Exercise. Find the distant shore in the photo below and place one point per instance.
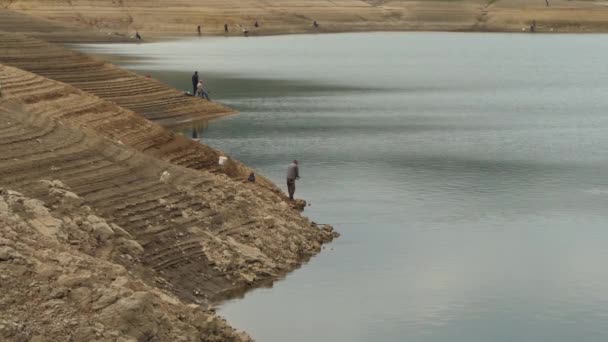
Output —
(105, 21)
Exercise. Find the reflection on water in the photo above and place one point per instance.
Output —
(466, 172)
(193, 130)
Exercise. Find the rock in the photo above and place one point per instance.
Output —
(59, 184)
(7, 254)
(249, 278)
(100, 228)
(133, 315)
(120, 232)
(3, 206)
(120, 281)
(327, 228)
(108, 297)
(82, 296)
(67, 196)
(10, 193)
(293, 247)
(249, 253)
(164, 177)
(47, 225)
(73, 280)
(46, 271)
(270, 221)
(12, 331)
(298, 204)
(130, 247)
(126, 339)
(58, 293)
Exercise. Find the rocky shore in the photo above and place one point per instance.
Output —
(84, 196)
(113, 228)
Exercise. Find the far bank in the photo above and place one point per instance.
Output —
(107, 21)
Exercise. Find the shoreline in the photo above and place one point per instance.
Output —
(169, 38)
(212, 244)
(230, 260)
(155, 38)
(219, 238)
(106, 21)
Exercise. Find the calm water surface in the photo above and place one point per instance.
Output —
(467, 174)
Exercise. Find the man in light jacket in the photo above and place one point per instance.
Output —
(293, 173)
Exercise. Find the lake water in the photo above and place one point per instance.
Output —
(467, 173)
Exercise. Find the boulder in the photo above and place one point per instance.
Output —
(100, 228)
(8, 253)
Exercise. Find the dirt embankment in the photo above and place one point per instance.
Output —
(121, 230)
(159, 18)
(54, 31)
(148, 97)
(62, 280)
(109, 231)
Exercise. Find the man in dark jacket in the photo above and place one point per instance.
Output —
(293, 173)
(194, 82)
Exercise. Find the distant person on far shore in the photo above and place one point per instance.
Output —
(194, 82)
(256, 24)
(225, 28)
(137, 35)
(198, 28)
(293, 173)
(315, 24)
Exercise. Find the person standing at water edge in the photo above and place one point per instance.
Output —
(293, 173)
(194, 82)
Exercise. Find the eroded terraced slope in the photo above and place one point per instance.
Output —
(66, 103)
(147, 97)
(202, 233)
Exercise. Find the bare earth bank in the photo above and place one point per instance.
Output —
(113, 228)
(153, 19)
